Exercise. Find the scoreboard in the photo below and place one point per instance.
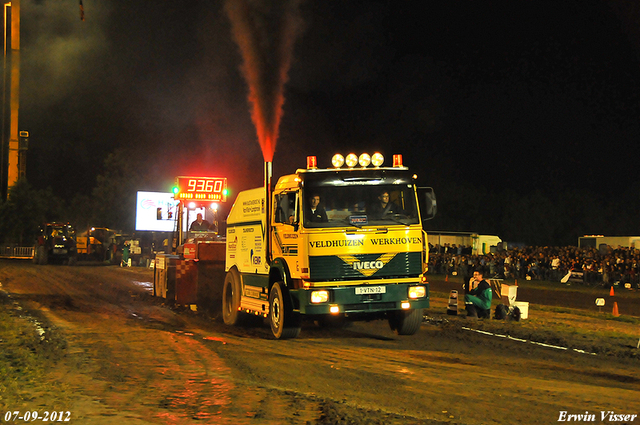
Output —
(212, 189)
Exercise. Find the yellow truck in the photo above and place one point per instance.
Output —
(342, 243)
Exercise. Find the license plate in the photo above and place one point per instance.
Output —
(371, 290)
(59, 251)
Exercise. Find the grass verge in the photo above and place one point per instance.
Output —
(29, 351)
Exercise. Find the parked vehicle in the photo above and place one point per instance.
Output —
(56, 243)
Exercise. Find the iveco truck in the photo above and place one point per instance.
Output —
(336, 244)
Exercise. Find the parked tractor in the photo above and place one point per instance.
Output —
(56, 243)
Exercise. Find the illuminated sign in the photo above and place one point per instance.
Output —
(156, 212)
(201, 189)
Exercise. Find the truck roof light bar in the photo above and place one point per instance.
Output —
(364, 160)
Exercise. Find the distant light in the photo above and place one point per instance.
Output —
(377, 159)
(351, 160)
(364, 160)
(192, 205)
(214, 206)
(175, 189)
(337, 160)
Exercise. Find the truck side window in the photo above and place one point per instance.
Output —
(285, 208)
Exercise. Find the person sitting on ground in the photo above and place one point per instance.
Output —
(478, 300)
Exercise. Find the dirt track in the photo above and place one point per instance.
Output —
(128, 359)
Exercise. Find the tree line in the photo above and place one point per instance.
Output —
(530, 217)
(111, 204)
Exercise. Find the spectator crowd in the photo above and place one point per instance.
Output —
(604, 266)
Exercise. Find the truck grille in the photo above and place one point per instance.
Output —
(332, 267)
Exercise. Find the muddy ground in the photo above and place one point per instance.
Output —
(109, 352)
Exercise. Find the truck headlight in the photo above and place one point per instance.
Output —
(417, 292)
(319, 297)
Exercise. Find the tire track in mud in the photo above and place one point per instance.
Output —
(432, 381)
(129, 361)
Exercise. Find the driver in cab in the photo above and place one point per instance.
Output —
(314, 213)
(200, 224)
(384, 206)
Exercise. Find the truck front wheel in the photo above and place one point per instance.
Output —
(285, 323)
(405, 322)
(231, 298)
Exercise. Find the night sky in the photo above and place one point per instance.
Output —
(497, 95)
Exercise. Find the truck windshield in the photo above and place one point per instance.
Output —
(358, 201)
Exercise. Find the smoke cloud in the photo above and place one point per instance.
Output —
(265, 31)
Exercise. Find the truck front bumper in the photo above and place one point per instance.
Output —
(362, 299)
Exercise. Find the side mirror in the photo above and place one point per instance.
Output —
(429, 205)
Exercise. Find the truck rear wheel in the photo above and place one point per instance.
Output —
(405, 322)
(43, 255)
(231, 298)
(285, 323)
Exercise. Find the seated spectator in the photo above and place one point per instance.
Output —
(478, 300)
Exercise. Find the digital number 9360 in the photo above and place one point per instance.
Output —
(201, 185)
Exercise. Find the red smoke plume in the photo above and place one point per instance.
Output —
(265, 31)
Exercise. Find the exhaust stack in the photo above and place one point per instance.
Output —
(268, 173)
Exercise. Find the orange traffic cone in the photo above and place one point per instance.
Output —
(611, 294)
(446, 278)
(615, 309)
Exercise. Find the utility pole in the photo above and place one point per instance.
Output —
(10, 166)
